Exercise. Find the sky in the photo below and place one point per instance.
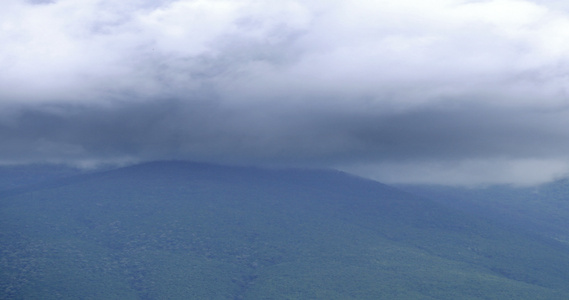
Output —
(450, 92)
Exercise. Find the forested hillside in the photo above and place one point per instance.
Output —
(176, 230)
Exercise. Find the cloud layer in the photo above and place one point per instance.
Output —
(457, 92)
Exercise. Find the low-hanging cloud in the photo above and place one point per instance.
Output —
(459, 92)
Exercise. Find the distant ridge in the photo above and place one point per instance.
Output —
(542, 210)
(13, 176)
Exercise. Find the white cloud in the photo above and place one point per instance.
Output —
(469, 172)
(370, 48)
(300, 61)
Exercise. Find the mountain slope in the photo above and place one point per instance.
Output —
(12, 177)
(543, 209)
(183, 230)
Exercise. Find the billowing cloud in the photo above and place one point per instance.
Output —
(446, 91)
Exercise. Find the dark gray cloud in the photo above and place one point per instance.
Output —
(205, 130)
(460, 92)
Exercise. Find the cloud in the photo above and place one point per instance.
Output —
(471, 173)
(432, 90)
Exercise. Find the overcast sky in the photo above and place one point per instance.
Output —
(402, 91)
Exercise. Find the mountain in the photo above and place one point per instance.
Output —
(15, 176)
(179, 230)
(543, 209)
